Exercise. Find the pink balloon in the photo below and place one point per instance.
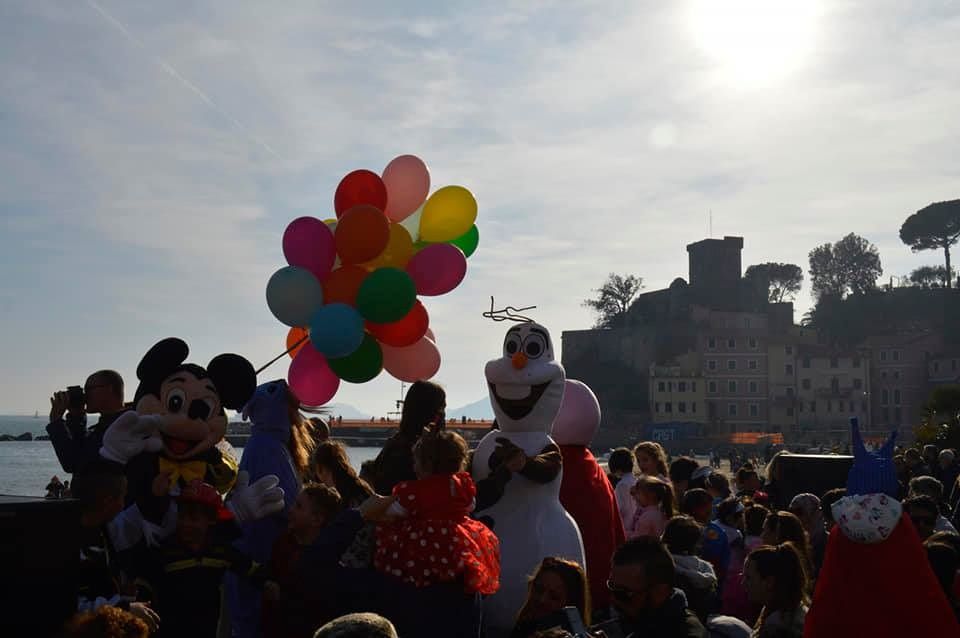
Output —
(437, 269)
(311, 378)
(414, 363)
(578, 420)
(430, 336)
(308, 243)
(408, 184)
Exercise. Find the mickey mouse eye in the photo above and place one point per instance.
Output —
(512, 344)
(534, 346)
(175, 400)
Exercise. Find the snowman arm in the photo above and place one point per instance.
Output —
(544, 467)
(490, 490)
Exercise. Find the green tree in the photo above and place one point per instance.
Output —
(852, 265)
(934, 227)
(941, 418)
(929, 276)
(614, 298)
(780, 281)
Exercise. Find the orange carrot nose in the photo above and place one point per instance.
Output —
(519, 361)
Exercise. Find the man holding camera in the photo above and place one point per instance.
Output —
(75, 445)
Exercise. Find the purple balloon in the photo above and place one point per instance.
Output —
(437, 269)
(311, 378)
(308, 243)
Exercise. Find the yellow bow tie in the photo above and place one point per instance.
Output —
(186, 470)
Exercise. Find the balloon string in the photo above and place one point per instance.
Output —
(281, 355)
(508, 314)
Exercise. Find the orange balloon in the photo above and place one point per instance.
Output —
(398, 252)
(293, 337)
(343, 284)
(362, 234)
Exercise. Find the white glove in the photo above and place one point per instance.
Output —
(253, 502)
(130, 435)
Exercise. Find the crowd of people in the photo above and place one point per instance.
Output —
(393, 548)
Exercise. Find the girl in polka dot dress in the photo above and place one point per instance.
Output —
(434, 540)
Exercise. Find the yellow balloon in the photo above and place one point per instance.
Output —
(448, 214)
(398, 252)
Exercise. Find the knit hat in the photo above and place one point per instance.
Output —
(872, 472)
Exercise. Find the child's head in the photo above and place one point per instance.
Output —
(748, 480)
(331, 466)
(730, 512)
(780, 527)
(442, 452)
(556, 584)
(718, 485)
(651, 458)
(753, 518)
(315, 506)
(621, 461)
(699, 504)
(682, 535)
(199, 508)
(650, 490)
(775, 577)
(101, 489)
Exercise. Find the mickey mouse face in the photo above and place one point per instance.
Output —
(190, 397)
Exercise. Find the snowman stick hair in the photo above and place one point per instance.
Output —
(508, 314)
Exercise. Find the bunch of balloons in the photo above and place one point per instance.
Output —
(349, 293)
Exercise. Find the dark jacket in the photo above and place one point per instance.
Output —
(75, 445)
(671, 620)
(394, 464)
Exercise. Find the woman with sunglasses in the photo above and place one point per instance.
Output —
(556, 584)
(775, 577)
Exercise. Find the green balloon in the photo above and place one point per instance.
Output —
(468, 241)
(386, 295)
(363, 365)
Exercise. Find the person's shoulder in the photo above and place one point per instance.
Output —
(692, 626)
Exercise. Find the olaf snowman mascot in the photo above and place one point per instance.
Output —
(518, 470)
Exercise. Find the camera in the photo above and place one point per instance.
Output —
(76, 398)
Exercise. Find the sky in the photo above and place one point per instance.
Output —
(153, 153)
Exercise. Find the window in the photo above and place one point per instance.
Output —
(712, 387)
(656, 408)
(886, 415)
(712, 343)
(883, 374)
(856, 362)
(668, 407)
(682, 407)
(897, 416)
(884, 397)
(835, 386)
(806, 362)
(801, 407)
(693, 407)
(829, 406)
(896, 375)
(669, 386)
(712, 364)
(661, 387)
(883, 357)
(732, 387)
(805, 384)
(693, 386)
(732, 409)
(731, 364)
(753, 387)
(752, 364)
(746, 322)
(754, 410)
(896, 355)
(731, 343)
(840, 406)
(788, 369)
(753, 343)
(853, 406)
(857, 384)
(681, 386)
(788, 350)
(790, 411)
(896, 396)
(834, 362)
(789, 393)
(813, 406)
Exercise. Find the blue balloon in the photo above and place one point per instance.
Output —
(293, 295)
(336, 330)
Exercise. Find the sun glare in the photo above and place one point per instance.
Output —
(755, 42)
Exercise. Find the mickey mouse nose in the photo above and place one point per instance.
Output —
(519, 361)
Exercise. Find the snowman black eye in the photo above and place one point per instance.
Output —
(534, 346)
(512, 345)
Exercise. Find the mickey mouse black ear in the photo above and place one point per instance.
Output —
(235, 379)
(162, 358)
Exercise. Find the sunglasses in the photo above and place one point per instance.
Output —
(623, 594)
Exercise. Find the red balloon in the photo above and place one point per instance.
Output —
(343, 284)
(360, 187)
(404, 332)
(362, 234)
